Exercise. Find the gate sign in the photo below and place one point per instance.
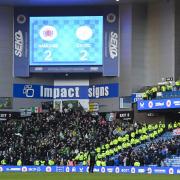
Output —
(6, 115)
(126, 115)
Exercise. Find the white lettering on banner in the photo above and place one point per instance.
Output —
(18, 46)
(177, 103)
(159, 104)
(98, 91)
(113, 45)
(59, 92)
(55, 92)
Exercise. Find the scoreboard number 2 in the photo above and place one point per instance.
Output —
(48, 55)
(83, 55)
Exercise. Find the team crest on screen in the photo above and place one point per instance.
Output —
(111, 17)
(48, 33)
(21, 19)
(84, 33)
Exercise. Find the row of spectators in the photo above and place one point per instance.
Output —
(151, 93)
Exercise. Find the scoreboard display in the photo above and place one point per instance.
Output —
(61, 40)
(66, 40)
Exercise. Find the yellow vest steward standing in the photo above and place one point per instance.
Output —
(170, 126)
(132, 135)
(3, 162)
(84, 163)
(175, 125)
(50, 162)
(107, 146)
(36, 163)
(43, 162)
(19, 162)
(120, 139)
(115, 142)
(98, 163)
(137, 163)
(98, 149)
(103, 163)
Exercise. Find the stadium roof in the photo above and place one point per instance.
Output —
(64, 2)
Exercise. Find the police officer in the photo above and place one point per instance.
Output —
(92, 156)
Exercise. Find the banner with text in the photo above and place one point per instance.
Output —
(99, 169)
(65, 92)
(158, 104)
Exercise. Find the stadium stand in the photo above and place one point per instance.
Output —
(56, 138)
(167, 89)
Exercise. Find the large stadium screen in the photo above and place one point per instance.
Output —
(66, 40)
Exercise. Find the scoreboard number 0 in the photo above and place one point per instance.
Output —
(83, 55)
(48, 55)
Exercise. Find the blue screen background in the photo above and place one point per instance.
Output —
(66, 48)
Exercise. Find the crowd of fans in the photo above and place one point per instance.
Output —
(57, 138)
(166, 86)
(53, 135)
(152, 153)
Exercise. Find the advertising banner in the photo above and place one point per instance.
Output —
(65, 92)
(159, 104)
(111, 42)
(21, 39)
(99, 169)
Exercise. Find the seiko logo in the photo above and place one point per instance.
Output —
(18, 43)
(113, 45)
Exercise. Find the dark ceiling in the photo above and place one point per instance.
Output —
(63, 2)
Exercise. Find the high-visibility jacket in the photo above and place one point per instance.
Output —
(19, 162)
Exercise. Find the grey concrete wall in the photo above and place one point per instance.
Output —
(159, 48)
(139, 26)
(6, 46)
(177, 39)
